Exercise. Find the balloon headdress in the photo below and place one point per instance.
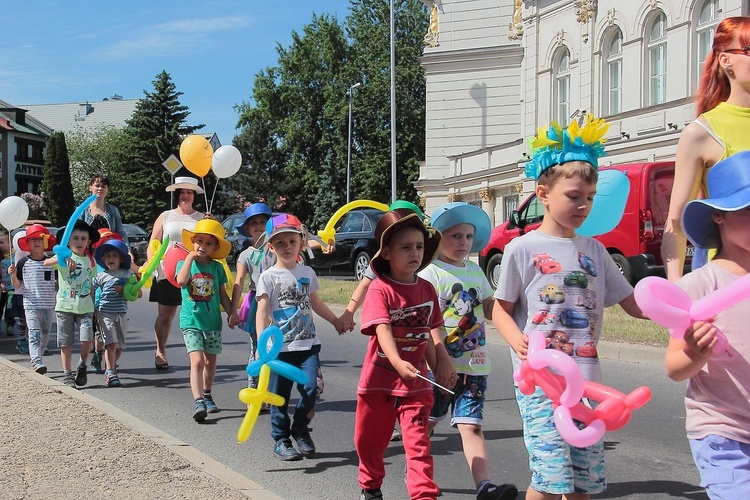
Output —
(558, 145)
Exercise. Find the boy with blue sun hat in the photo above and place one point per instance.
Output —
(465, 298)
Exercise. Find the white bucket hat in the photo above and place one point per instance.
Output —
(185, 183)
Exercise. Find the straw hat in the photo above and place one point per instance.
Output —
(185, 183)
(215, 229)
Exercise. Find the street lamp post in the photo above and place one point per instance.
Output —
(349, 94)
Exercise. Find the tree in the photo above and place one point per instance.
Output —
(155, 131)
(93, 151)
(59, 203)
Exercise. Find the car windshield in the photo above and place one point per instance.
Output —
(134, 230)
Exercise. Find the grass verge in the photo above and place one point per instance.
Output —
(618, 326)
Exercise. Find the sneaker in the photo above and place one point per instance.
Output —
(69, 381)
(395, 435)
(283, 450)
(82, 377)
(96, 363)
(494, 492)
(200, 411)
(210, 404)
(305, 444)
(371, 494)
(22, 346)
(40, 369)
(112, 380)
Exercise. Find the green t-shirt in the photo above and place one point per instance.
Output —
(74, 292)
(201, 302)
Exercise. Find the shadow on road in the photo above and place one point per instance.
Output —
(675, 489)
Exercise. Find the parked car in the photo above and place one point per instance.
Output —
(355, 244)
(238, 241)
(634, 244)
(137, 241)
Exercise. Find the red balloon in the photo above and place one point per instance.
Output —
(175, 254)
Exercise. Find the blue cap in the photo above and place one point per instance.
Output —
(113, 244)
(250, 212)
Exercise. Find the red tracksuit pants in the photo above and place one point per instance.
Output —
(376, 415)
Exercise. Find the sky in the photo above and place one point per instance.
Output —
(78, 51)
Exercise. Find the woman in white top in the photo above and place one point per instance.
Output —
(171, 223)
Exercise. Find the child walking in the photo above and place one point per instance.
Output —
(111, 306)
(6, 284)
(287, 296)
(250, 263)
(38, 283)
(466, 299)
(565, 163)
(718, 391)
(74, 308)
(399, 312)
(202, 279)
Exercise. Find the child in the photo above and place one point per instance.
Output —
(251, 262)
(202, 279)
(717, 400)
(465, 300)
(6, 284)
(287, 296)
(565, 162)
(39, 294)
(75, 303)
(17, 317)
(399, 312)
(111, 306)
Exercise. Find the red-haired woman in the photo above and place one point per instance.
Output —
(721, 130)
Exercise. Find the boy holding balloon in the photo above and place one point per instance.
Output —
(718, 392)
(555, 281)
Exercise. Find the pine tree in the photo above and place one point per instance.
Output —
(56, 186)
(156, 130)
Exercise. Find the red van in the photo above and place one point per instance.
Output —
(635, 244)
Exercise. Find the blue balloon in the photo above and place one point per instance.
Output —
(612, 190)
(268, 356)
(61, 249)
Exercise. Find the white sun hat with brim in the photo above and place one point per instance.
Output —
(185, 183)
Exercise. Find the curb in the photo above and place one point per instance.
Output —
(231, 478)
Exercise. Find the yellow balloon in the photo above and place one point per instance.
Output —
(154, 247)
(196, 153)
(328, 233)
(254, 399)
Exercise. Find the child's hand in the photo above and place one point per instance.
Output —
(406, 370)
(11, 269)
(71, 264)
(521, 346)
(701, 338)
(445, 374)
(233, 320)
(345, 323)
(118, 288)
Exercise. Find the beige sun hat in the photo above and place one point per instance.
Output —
(185, 183)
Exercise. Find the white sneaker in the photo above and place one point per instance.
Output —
(40, 369)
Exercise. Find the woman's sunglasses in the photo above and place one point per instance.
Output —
(744, 50)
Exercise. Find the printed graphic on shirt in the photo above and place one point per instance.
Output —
(293, 316)
(201, 286)
(80, 283)
(468, 334)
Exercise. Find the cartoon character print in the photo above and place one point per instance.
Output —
(293, 301)
(467, 335)
(201, 288)
(416, 316)
(80, 283)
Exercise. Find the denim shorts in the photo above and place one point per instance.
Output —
(724, 465)
(69, 323)
(557, 467)
(467, 403)
(199, 340)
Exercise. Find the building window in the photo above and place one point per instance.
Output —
(706, 19)
(562, 87)
(510, 203)
(613, 74)
(656, 36)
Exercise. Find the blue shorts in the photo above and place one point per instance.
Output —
(557, 467)
(724, 465)
(467, 404)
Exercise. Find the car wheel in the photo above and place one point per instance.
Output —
(361, 263)
(493, 269)
(623, 264)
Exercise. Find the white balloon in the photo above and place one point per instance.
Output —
(226, 161)
(19, 253)
(13, 212)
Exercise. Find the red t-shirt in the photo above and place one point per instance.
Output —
(412, 311)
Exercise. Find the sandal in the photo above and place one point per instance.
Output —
(161, 363)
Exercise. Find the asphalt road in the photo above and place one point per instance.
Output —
(649, 458)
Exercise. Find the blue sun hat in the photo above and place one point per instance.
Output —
(729, 188)
(558, 145)
(112, 244)
(459, 212)
(252, 211)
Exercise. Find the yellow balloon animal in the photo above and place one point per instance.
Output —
(254, 398)
(153, 246)
(328, 233)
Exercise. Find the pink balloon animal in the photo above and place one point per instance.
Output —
(668, 304)
(566, 390)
